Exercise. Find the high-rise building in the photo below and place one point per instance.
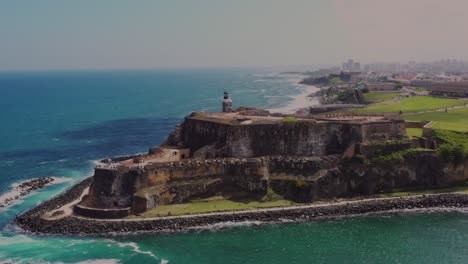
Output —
(351, 66)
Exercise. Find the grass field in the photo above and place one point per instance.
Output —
(217, 203)
(374, 97)
(455, 119)
(397, 193)
(411, 105)
(414, 132)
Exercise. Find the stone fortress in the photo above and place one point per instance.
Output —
(250, 150)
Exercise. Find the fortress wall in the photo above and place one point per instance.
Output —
(302, 138)
(172, 181)
(297, 178)
(416, 124)
(199, 133)
(302, 167)
(111, 188)
(385, 129)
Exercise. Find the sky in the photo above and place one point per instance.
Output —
(122, 34)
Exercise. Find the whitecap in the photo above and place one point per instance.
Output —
(15, 196)
(99, 261)
(136, 248)
(224, 225)
(58, 180)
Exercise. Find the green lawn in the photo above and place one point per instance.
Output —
(374, 97)
(219, 203)
(411, 105)
(401, 192)
(455, 119)
(212, 204)
(414, 132)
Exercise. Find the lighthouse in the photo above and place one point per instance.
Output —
(227, 103)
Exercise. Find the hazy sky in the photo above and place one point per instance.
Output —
(89, 34)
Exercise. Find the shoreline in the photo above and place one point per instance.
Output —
(299, 101)
(32, 221)
(24, 188)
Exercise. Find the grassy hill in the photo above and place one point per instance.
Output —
(454, 119)
(411, 105)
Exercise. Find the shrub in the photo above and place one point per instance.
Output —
(289, 119)
(345, 96)
(452, 153)
(398, 156)
(454, 147)
(300, 184)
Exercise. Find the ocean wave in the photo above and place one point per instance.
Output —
(99, 261)
(17, 239)
(136, 248)
(17, 192)
(226, 225)
(298, 101)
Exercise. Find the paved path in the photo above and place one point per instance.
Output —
(67, 209)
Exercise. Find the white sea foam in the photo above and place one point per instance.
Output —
(58, 180)
(100, 261)
(14, 197)
(224, 225)
(136, 248)
(299, 101)
(14, 240)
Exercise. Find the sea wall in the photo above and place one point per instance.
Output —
(32, 222)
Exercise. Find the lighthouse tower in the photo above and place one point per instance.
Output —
(227, 103)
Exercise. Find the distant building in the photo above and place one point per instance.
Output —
(450, 89)
(421, 83)
(351, 66)
(356, 76)
(227, 103)
(380, 86)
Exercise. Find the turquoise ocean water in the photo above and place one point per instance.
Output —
(58, 123)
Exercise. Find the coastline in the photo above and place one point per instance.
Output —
(299, 101)
(32, 221)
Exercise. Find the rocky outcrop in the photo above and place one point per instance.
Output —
(24, 189)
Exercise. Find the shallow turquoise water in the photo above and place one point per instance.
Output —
(56, 124)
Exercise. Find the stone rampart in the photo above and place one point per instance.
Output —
(213, 138)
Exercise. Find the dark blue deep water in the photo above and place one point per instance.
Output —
(58, 123)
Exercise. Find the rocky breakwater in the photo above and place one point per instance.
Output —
(76, 225)
(32, 219)
(24, 189)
